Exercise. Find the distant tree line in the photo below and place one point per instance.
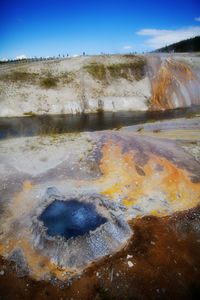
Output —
(33, 59)
(189, 45)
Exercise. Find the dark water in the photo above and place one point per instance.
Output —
(29, 126)
(70, 218)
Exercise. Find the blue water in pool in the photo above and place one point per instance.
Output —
(70, 218)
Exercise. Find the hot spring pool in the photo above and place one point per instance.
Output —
(70, 218)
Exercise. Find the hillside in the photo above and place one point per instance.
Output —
(189, 45)
(74, 85)
(91, 84)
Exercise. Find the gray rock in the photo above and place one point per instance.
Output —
(53, 192)
(137, 207)
(110, 204)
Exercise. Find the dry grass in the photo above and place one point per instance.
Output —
(66, 77)
(45, 80)
(55, 133)
(98, 71)
(130, 70)
(49, 82)
(156, 130)
(20, 76)
(30, 114)
(132, 56)
(119, 126)
(100, 110)
(190, 115)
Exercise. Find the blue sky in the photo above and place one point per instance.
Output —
(51, 27)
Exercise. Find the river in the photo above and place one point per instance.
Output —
(53, 124)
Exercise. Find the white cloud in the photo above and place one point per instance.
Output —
(197, 19)
(3, 59)
(22, 56)
(127, 47)
(160, 38)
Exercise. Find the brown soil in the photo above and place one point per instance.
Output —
(166, 265)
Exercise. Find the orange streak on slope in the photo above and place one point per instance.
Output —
(162, 85)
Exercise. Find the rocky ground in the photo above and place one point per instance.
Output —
(149, 178)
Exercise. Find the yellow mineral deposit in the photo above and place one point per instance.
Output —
(123, 178)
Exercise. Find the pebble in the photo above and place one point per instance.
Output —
(130, 264)
(129, 256)
(137, 207)
(151, 199)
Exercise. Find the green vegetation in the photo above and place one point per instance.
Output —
(152, 121)
(73, 135)
(30, 113)
(190, 45)
(54, 133)
(45, 80)
(195, 143)
(19, 76)
(156, 130)
(129, 70)
(119, 126)
(140, 129)
(66, 77)
(190, 115)
(98, 71)
(32, 147)
(49, 82)
(130, 56)
(100, 110)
